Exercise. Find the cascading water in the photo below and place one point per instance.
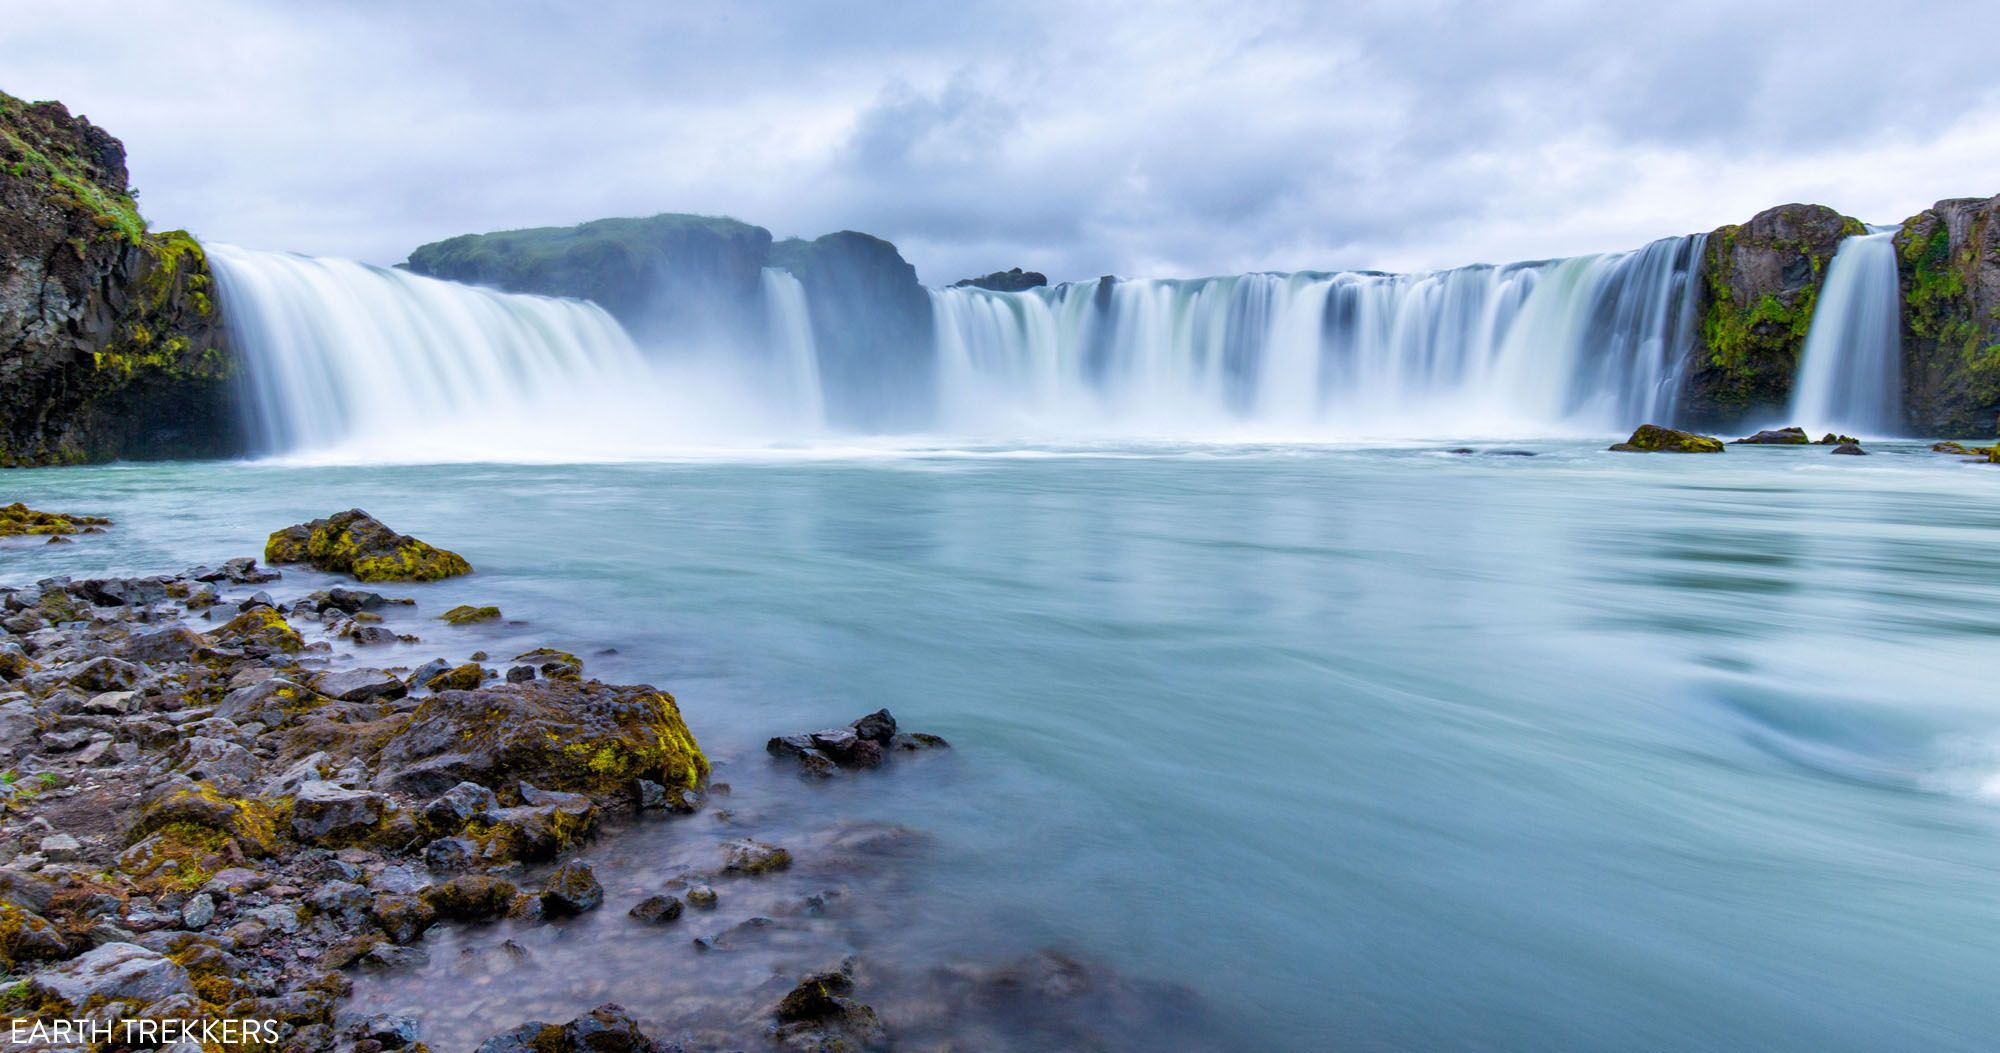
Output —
(791, 338)
(1592, 343)
(347, 361)
(1851, 372)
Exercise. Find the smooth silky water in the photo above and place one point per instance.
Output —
(1367, 747)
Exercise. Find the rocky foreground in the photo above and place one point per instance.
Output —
(215, 809)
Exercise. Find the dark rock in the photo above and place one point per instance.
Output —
(572, 889)
(106, 674)
(459, 805)
(917, 740)
(1775, 437)
(471, 897)
(361, 685)
(1011, 280)
(450, 853)
(1651, 438)
(113, 972)
(328, 813)
(1851, 449)
(403, 916)
(1760, 281)
(877, 727)
(111, 344)
(585, 737)
(371, 636)
(354, 542)
(520, 674)
(1948, 260)
(458, 678)
(657, 910)
(1830, 439)
(746, 856)
(387, 1032)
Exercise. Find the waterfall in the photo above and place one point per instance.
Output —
(1851, 373)
(1593, 343)
(796, 356)
(351, 362)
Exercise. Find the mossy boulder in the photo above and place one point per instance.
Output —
(354, 542)
(1775, 437)
(18, 520)
(466, 614)
(259, 628)
(1948, 261)
(1652, 438)
(471, 897)
(1760, 281)
(582, 736)
(458, 678)
(190, 830)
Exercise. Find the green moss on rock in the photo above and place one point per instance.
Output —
(1760, 281)
(354, 542)
(1651, 438)
(466, 614)
(17, 520)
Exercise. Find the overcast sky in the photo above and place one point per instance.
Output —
(1069, 137)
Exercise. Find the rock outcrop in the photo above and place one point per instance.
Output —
(110, 342)
(1651, 438)
(698, 281)
(1014, 280)
(1948, 258)
(354, 542)
(1760, 281)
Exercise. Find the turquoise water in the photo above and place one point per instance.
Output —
(1371, 748)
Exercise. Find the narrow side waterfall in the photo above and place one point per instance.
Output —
(352, 362)
(1593, 343)
(795, 354)
(1851, 373)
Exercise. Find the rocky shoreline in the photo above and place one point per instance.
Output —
(216, 808)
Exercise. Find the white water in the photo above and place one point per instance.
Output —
(1850, 374)
(796, 353)
(1590, 344)
(348, 362)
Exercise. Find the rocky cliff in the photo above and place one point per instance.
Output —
(110, 344)
(1760, 281)
(678, 280)
(669, 279)
(1948, 258)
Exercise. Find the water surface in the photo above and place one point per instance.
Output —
(1370, 747)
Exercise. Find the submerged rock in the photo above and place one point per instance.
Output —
(819, 1014)
(354, 542)
(1775, 437)
(657, 910)
(18, 520)
(1850, 448)
(1652, 438)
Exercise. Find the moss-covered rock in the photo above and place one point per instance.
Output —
(110, 341)
(581, 736)
(1651, 438)
(1948, 260)
(17, 520)
(1760, 281)
(466, 614)
(259, 628)
(458, 678)
(354, 542)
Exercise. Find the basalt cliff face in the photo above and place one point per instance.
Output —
(1948, 259)
(1760, 281)
(110, 344)
(696, 282)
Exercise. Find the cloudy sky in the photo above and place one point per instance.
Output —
(1070, 137)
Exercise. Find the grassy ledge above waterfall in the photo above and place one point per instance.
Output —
(110, 343)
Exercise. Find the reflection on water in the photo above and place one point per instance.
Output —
(1377, 748)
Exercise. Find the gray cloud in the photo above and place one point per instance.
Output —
(1080, 139)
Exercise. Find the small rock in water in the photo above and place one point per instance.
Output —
(1652, 438)
(572, 889)
(1775, 437)
(657, 910)
(746, 856)
(701, 896)
(1852, 449)
(520, 674)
